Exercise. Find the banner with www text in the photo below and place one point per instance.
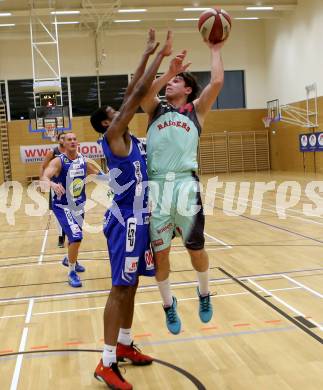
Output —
(37, 153)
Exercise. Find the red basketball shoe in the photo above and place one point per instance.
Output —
(111, 376)
(132, 352)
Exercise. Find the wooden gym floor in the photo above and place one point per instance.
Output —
(266, 332)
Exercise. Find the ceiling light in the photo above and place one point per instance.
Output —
(7, 25)
(186, 19)
(127, 20)
(5, 13)
(65, 12)
(74, 22)
(196, 9)
(132, 10)
(260, 8)
(253, 18)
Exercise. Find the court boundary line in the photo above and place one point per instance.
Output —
(274, 307)
(42, 251)
(140, 288)
(273, 209)
(141, 303)
(47, 263)
(309, 289)
(22, 346)
(288, 305)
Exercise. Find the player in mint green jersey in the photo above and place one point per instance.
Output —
(172, 145)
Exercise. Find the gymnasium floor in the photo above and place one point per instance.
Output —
(266, 332)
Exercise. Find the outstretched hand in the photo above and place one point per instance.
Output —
(151, 43)
(176, 65)
(167, 49)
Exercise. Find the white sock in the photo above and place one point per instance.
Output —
(203, 279)
(164, 289)
(125, 336)
(109, 355)
(71, 266)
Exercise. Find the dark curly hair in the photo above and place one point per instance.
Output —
(97, 117)
(190, 81)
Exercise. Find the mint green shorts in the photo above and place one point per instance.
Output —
(176, 210)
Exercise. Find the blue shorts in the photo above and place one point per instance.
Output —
(71, 225)
(129, 248)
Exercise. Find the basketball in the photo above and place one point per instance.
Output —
(214, 25)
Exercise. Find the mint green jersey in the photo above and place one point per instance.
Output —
(172, 140)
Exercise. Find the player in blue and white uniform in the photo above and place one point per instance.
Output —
(50, 155)
(127, 220)
(65, 175)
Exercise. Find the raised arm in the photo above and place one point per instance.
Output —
(53, 169)
(176, 66)
(119, 124)
(150, 49)
(49, 156)
(204, 102)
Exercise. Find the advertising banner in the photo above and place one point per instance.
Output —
(36, 153)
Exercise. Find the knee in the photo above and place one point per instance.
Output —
(197, 254)
(121, 294)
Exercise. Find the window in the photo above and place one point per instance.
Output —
(85, 99)
(84, 94)
(64, 91)
(21, 98)
(232, 94)
(112, 90)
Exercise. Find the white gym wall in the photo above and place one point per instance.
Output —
(294, 52)
(244, 51)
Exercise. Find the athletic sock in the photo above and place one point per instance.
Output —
(124, 336)
(109, 355)
(164, 289)
(71, 266)
(203, 279)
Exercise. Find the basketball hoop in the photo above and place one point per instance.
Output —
(50, 129)
(267, 121)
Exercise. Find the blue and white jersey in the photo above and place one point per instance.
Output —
(128, 177)
(71, 177)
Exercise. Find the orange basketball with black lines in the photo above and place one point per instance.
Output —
(215, 25)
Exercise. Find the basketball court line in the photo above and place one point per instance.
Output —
(22, 346)
(174, 284)
(159, 302)
(42, 263)
(276, 275)
(218, 240)
(273, 210)
(276, 308)
(280, 208)
(281, 301)
(42, 251)
(60, 352)
(275, 226)
(149, 302)
(42, 254)
(303, 286)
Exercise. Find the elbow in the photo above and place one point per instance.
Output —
(217, 83)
